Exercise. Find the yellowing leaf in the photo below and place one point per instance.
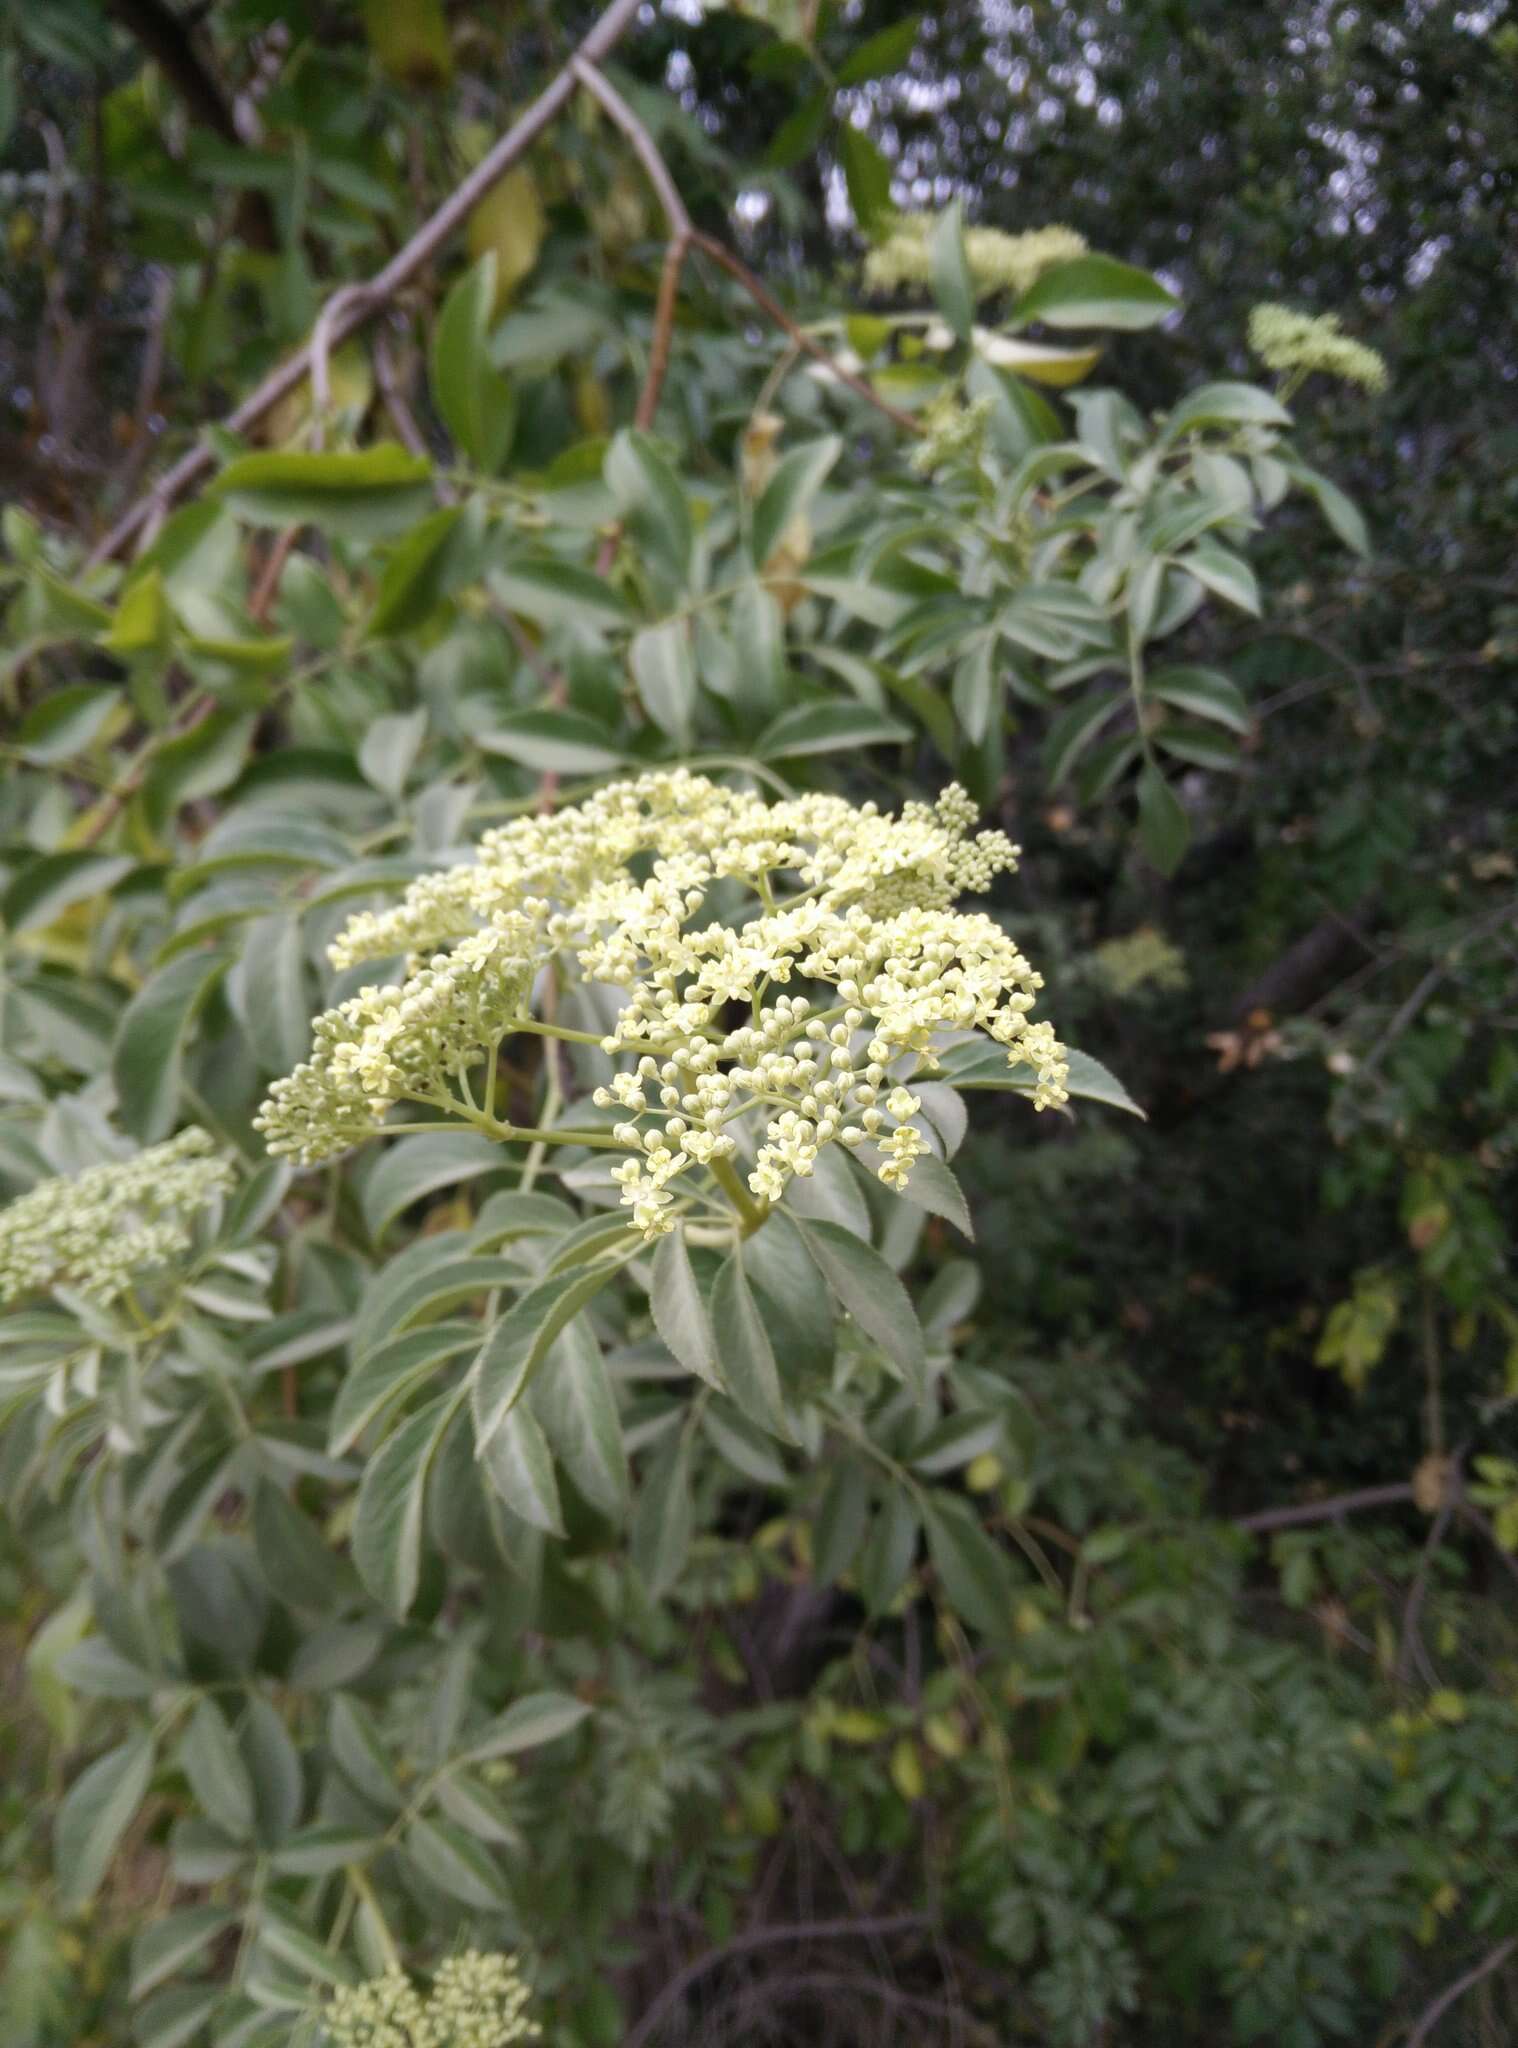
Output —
(410, 39)
(509, 221)
(906, 1770)
(141, 618)
(1037, 360)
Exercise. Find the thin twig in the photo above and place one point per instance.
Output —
(394, 400)
(383, 286)
(764, 1937)
(264, 591)
(1411, 1647)
(1432, 2015)
(678, 220)
(1325, 1510)
(351, 297)
(149, 377)
(658, 172)
(1418, 1592)
(768, 304)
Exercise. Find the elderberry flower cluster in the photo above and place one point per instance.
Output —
(476, 2001)
(100, 1230)
(856, 904)
(1298, 343)
(952, 434)
(997, 262)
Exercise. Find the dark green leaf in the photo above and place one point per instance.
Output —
(147, 1057)
(798, 478)
(1203, 692)
(881, 54)
(387, 1524)
(652, 502)
(665, 675)
(680, 1315)
(527, 1723)
(1164, 828)
(662, 1521)
(477, 404)
(867, 176)
(97, 1811)
(972, 1571)
(212, 1761)
(552, 742)
(387, 1375)
(46, 887)
(871, 1293)
(413, 1168)
(574, 1401)
(1095, 291)
(952, 286)
(744, 1356)
(361, 494)
(828, 729)
(520, 1466)
(520, 1341)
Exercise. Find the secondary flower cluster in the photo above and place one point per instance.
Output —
(99, 1230)
(1300, 343)
(952, 433)
(476, 2001)
(997, 262)
(698, 901)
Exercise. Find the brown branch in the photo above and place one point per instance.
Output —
(1311, 965)
(1413, 1612)
(110, 807)
(1325, 1510)
(364, 301)
(657, 171)
(809, 345)
(664, 324)
(763, 1937)
(1432, 2014)
(393, 398)
(264, 590)
(681, 229)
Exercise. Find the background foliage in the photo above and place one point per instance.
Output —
(1150, 1676)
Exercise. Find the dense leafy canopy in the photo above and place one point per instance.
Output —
(1012, 1573)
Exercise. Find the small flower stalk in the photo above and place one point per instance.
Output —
(707, 906)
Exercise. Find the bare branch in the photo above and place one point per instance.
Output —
(1325, 1510)
(352, 297)
(394, 400)
(1456, 1991)
(763, 1937)
(658, 172)
(809, 345)
(383, 286)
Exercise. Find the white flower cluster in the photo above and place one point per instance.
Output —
(952, 433)
(997, 262)
(476, 2001)
(100, 1230)
(813, 889)
(1300, 343)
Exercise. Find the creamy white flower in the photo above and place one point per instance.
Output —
(476, 2001)
(621, 886)
(997, 262)
(100, 1230)
(1302, 343)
